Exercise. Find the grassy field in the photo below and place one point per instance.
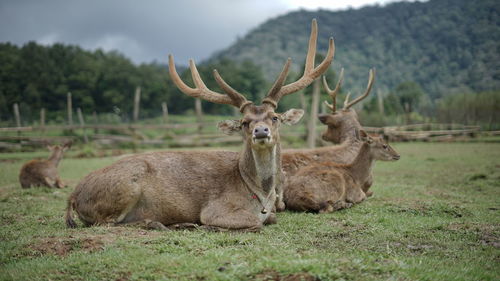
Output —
(435, 215)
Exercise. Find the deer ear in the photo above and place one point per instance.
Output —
(292, 116)
(50, 147)
(363, 136)
(328, 119)
(67, 145)
(229, 127)
(323, 118)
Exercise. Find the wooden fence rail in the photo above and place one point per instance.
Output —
(132, 134)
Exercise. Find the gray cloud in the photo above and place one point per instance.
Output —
(142, 30)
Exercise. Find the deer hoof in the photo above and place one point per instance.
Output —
(155, 225)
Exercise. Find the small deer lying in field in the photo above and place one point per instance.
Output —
(328, 186)
(44, 172)
(341, 129)
(214, 189)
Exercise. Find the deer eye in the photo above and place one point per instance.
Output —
(275, 118)
(384, 146)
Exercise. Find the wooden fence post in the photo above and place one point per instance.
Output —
(380, 101)
(137, 100)
(17, 115)
(70, 110)
(199, 113)
(311, 126)
(303, 105)
(42, 119)
(82, 124)
(164, 109)
(94, 116)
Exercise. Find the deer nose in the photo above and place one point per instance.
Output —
(397, 157)
(260, 132)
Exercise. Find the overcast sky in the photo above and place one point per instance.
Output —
(150, 29)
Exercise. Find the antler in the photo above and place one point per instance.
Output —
(333, 93)
(310, 72)
(201, 91)
(371, 79)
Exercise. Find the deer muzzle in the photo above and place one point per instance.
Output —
(261, 134)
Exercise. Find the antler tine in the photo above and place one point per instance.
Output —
(310, 72)
(201, 90)
(238, 98)
(277, 85)
(346, 101)
(333, 94)
(371, 79)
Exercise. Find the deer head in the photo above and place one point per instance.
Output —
(379, 148)
(340, 123)
(57, 151)
(259, 123)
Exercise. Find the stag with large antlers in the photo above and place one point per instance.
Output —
(206, 189)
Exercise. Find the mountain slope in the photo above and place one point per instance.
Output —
(446, 46)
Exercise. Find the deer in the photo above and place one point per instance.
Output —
(44, 172)
(328, 186)
(341, 128)
(212, 190)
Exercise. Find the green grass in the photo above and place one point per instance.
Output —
(434, 216)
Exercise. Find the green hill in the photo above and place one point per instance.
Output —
(446, 46)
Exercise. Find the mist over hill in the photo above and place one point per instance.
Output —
(446, 46)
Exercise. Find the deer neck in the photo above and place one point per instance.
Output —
(344, 152)
(259, 168)
(360, 169)
(349, 131)
(55, 158)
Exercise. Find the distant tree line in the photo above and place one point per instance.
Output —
(36, 76)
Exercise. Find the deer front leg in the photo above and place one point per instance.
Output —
(355, 195)
(367, 184)
(271, 219)
(60, 184)
(217, 215)
(50, 182)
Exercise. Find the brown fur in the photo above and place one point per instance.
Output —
(329, 186)
(216, 189)
(43, 172)
(341, 128)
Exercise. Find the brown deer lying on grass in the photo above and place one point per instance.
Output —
(328, 186)
(44, 172)
(341, 128)
(217, 189)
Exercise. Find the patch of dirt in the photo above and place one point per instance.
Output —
(272, 275)
(476, 177)
(489, 239)
(124, 276)
(489, 234)
(63, 246)
(88, 242)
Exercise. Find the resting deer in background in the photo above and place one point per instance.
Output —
(328, 186)
(217, 189)
(44, 172)
(342, 126)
